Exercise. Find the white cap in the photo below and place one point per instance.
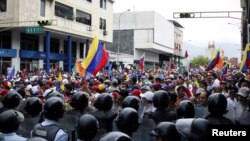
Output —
(65, 81)
(148, 95)
(29, 87)
(244, 92)
(65, 76)
(26, 80)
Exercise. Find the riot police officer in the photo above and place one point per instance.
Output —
(11, 100)
(161, 102)
(103, 114)
(128, 121)
(87, 127)
(193, 129)
(131, 101)
(32, 108)
(78, 102)
(244, 119)
(166, 131)
(217, 105)
(9, 123)
(185, 109)
(50, 129)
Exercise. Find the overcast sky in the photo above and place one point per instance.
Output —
(197, 32)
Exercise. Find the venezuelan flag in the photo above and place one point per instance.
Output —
(219, 64)
(96, 59)
(245, 62)
(141, 62)
(213, 62)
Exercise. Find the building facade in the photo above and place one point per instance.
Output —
(212, 51)
(136, 33)
(43, 33)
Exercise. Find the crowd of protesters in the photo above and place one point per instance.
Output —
(154, 105)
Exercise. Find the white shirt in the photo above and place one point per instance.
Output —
(231, 109)
(13, 137)
(216, 83)
(46, 92)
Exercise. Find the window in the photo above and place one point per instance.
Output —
(5, 39)
(64, 11)
(102, 24)
(42, 8)
(3, 5)
(81, 50)
(103, 4)
(54, 45)
(29, 42)
(83, 17)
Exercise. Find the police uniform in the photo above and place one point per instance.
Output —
(60, 135)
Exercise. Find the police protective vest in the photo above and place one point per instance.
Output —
(48, 132)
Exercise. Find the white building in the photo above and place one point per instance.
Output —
(74, 23)
(147, 32)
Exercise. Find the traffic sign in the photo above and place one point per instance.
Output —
(34, 30)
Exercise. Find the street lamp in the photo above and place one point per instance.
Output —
(119, 33)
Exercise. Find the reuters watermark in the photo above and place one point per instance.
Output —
(230, 133)
(234, 131)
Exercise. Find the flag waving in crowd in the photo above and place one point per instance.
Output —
(245, 62)
(213, 62)
(141, 62)
(96, 59)
(186, 54)
(11, 74)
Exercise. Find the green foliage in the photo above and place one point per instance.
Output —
(200, 61)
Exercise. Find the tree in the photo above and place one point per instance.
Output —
(200, 61)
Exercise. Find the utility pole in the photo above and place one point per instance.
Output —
(119, 24)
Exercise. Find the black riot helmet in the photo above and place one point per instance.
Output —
(54, 108)
(185, 109)
(33, 106)
(10, 121)
(193, 129)
(36, 139)
(132, 102)
(128, 121)
(87, 127)
(53, 93)
(80, 100)
(115, 136)
(166, 131)
(161, 99)
(217, 104)
(104, 102)
(11, 100)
